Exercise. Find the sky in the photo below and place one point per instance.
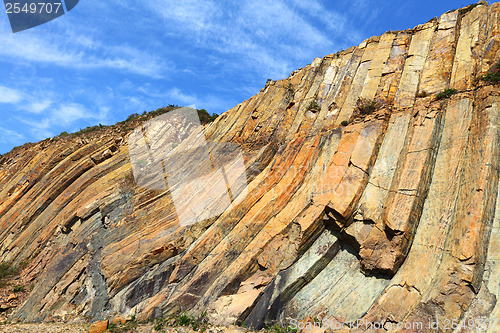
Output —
(105, 60)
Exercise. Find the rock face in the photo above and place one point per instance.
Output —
(390, 216)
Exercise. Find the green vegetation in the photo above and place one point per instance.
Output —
(14, 150)
(205, 118)
(277, 328)
(182, 319)
(492, 77)
(339, 52)
(465, 10)
(129, 326)
(366, 106)
(447, 93)
(160, 111)
(344, 123)
(88, 129)
(313, 107)
(5, 270)
(18, 289)
(114, 328)
(290, 89)
(469, 8)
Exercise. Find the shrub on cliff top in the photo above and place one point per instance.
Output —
(469, 8)
(205, 117)
(465, 10)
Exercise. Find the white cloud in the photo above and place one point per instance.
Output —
(69, 113)
(9, 95)
(199, 15)
(78, 52)
(247, 37)
(39, 129)
(62, 115)
(38, 106)
(179, 97)
(336, 23)
(41, 124)
(182, 98)
(269, 35)
(128, 59)
(103, 112)
(134, 101)
(35, 101)
(9, 136)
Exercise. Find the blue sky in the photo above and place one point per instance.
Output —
(105, 60)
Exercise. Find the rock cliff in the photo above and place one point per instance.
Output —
(369, 197)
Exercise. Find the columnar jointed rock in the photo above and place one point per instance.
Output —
(392, 217)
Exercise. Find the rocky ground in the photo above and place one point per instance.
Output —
(126, 327)
(43, 328)
(13, 292)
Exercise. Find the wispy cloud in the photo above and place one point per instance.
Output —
(38, 106)
(10, 136)
(182, 98)
(69, 113)
(108, 59)
(270, 35)
(9, 95)
(79, 52)
(178, 95)
(39, 129)
(63, 115)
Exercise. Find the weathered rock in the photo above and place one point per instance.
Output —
(118, 321)
(288, 282)
(98, 327)
(11, 297)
